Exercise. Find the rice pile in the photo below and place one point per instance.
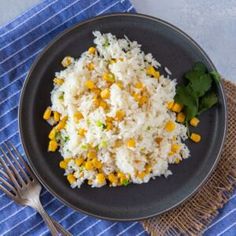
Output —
(111, 118)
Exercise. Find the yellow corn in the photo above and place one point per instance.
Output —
(71, 178)
(97, 91)
(88, 165)
(148, 169)
(195, 137)
(120, 84)
(157, 74)
(177, 161)
(92, 50)
(105, 93)
(91, 154)
(177, 107)
(131, 143)
(109, 119)
(90, 66)
(52, 146)
(112, 178)
(194, 121)
(90, 182)
(170, 105)
(180, 117)
(170, 126)
(118, 143)
(58, 81)
(62, 123)
(90, 84)
(52, 134)
(138, 85)
(150, 70)
(63, 164)
(79, 161)
(96, 102)
(97, 164)
(120, 114)
(136, 97)
(103, 104)
(141, 175)
(109, 126)
(109, 77)
(67, 61)
(158, 140)
(47, 113)
(175, 147)
(101, 178)
(143, 99)
(56, 116)
(121, 177)
(112, 61)
(82, 132)
(78, 116)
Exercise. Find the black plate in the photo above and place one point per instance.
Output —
(173, 49)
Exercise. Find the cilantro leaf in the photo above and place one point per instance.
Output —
(125, 182)
(216, 76)
(201, 84)
(199, 66)
(206, 102)
(193, 74)
(190, 112)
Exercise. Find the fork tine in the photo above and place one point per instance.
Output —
(9, 194)
(8, 170)
(8, 185)
(22, 161)
(17, 163)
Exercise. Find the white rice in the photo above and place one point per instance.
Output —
(141, 123)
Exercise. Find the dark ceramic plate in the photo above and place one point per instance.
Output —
(173, 49)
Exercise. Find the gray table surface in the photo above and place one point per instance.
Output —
(212, 23)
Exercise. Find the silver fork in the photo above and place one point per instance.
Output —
(23, 187)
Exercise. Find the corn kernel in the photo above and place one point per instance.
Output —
(171, 153)
(96, 102)
(177, 161)
(97, 164)
(109, 126)
(112, 178)
(109, 77)
(103, 104)
(175, 147)
(120, 115)
(148, 169)
(101, 178)
(78, 116)
(150, 70)
(71, 178)
(105, 93)
(58, 81)
(52, 134)
(143, 100)
(136, 97)
(120, 84)
(67, 61)
(79, 161)
(118, 143)
(112, 61)
(195, 137)
(62, 123)
(90, 66)
(156, 74)
(92, 50)
(138, 85)
(47, 113)
(170, 126)
(131, 143)
(63, 164)
(121, 176)
(90, 84)
(180, 117)
(52, 146)
(177, 107)
(97, 91)
(91, 154)
(90, 182)
(82, 132)
(88, 165)
(109, 119)
(194, 121)
(141, 175)
(56, 116)
(170, 105)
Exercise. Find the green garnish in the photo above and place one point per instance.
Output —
(125, 182)
(103, 144)
(61, 97)
(198, 95)
(106, 44)
(84, 147)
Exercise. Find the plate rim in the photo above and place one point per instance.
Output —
(48, 46)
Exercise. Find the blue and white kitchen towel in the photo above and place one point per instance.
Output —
(20, 42)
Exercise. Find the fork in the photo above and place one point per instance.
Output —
(21, 185)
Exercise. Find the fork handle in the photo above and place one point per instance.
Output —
(60, 229)
(47, 220)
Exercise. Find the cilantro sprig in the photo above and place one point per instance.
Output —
(197, 95)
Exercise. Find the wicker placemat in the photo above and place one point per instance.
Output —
(193, 216)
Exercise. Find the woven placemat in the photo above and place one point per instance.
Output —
(193, 216)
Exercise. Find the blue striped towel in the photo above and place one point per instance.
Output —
(20, 42)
